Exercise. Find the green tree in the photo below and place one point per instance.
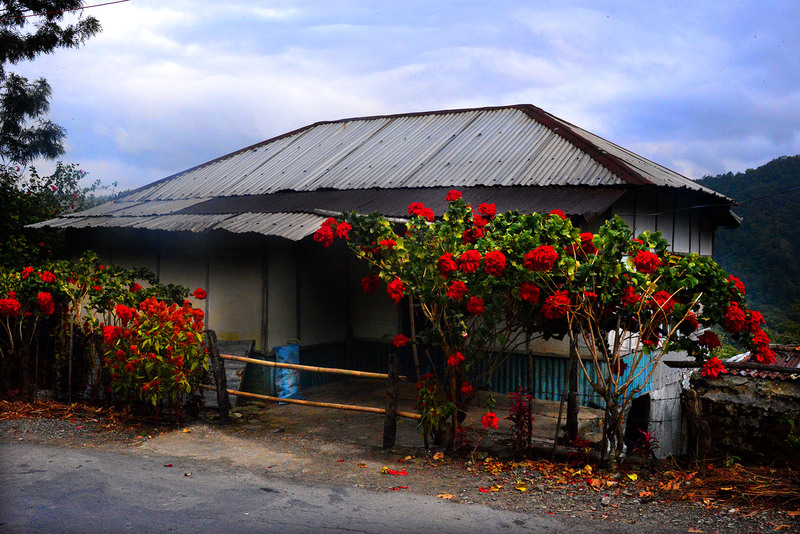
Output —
(29, 28)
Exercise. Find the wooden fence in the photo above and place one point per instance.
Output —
(393, 376)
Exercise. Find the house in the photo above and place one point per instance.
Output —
(240, 225)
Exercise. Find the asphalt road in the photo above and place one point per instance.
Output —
(54, 489)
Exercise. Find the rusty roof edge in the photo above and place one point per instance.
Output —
(564, 129)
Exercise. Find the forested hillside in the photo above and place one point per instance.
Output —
(764, 251)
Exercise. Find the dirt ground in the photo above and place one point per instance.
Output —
(326, 446)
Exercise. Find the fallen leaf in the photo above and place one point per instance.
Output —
(497, 487)
(339, 461)
(485, 490)
(438, 456)
(78, 427)
(187, 474)
(793, 514)
(521, 486)
(398, 488)
(645, 494)
(408, 458)
(782, 526)
(386, 471)
(187, 430)
(362, 465)
(167, 465)
(445, 496)
(595, 483)
(696, 531)
(633, 476)
(727, 488)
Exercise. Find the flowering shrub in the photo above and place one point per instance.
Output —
(155, 352)
(488, 282)
(55, 311)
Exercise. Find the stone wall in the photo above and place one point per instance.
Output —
(755, 419)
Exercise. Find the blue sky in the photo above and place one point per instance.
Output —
(701, 87)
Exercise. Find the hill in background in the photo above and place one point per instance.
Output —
(764, 251)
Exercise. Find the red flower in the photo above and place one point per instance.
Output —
(489, 420)
(765, 355)
(471, 236)
(135, 288)
(646, 262)
(475, 306)
(370, 284)
(455, 359)
(630, 297)
(97, 288)
(709, 340)
(735, 318)
(587, 243)
(457, 290)
(529, 292)
(395, 289)
(10, 307)
(26, 272)
(541, 258)
(389, 244)
(400, 340)
(495, 263)
(343, 230)
(479, 221)
(556, 305)
(418, 209)
(738, 284)
(713, 367)
(487, 210)
(467, 390)
(45, 303)
(111, 333)
(618, 367)
(446, 264)
(754, 320)
(469, 261)
(47, 277)
(452, 195)
(199, 294)
(760, 339)
(124, 313)
(664, 301)
(324, 234)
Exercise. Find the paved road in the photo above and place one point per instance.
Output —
(53, 489)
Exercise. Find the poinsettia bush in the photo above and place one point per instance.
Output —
(155, 352)
(490, 282)
(52, 317)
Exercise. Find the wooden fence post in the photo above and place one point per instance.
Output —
(392, 392)
(221, 381)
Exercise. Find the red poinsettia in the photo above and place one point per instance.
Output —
(646, 262)
(400, 340)
(446, 264)
(529, 292)
(395, 289)
(490, 420)
(541, 258)
(457, 290)
(713, 367)
(495, 263)
(469, 261)
(370, 284)
(452, 195)
(455, 359)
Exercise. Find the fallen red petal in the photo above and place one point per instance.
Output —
(167, 465)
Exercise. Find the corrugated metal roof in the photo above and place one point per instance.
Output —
(292, 226)
(585, 202)
(788, 357)
(516, 145)
(518, 157)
